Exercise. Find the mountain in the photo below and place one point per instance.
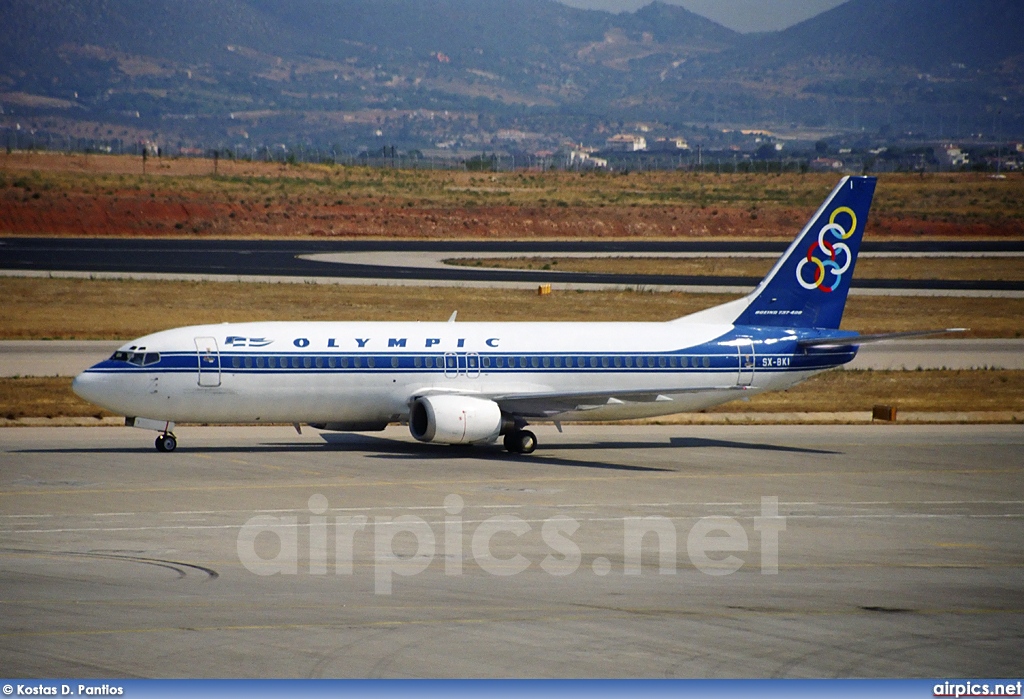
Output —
(921, 34)
(501, 73)
(935, 67)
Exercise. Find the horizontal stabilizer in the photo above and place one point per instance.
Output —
(847, 340)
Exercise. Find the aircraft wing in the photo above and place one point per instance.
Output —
(549, 404)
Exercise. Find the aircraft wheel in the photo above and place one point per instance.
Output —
(166, 442)
(527, 442)
(520, 442)
(510, 442)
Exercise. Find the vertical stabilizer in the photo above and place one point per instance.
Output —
(807, 287)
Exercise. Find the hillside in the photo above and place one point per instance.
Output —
(512, 74)
(921, 34)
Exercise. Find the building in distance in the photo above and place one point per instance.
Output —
(626, 143)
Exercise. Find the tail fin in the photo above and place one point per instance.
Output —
(807, 287)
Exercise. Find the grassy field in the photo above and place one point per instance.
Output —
(944, 196)
(43, 397)
(975, 268)
(54, 194)
(81, 309)
(927, 391)
(907, 390)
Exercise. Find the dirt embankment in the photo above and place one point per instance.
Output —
(129, 214)
(194, 215)
(65, 195)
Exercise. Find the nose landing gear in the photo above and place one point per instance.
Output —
(166, 442)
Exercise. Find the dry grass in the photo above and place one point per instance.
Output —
(986, 317)
(938, 391)
(79, 309)
(958, 268)
(97, 309)
(43, 397)
(959, 198)
(927, 391)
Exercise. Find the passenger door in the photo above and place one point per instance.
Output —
(208, 356)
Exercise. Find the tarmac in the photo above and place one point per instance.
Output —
(613, 551)
(418, 263)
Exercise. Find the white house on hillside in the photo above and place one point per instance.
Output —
(626, 143)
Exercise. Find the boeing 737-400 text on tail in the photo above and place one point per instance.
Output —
(456, 383)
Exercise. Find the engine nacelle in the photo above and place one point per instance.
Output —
(454, 419)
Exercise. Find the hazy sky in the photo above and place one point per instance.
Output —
(741, 15)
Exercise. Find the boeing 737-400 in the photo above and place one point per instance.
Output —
(456, 383)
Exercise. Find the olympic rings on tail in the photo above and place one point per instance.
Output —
(831, 252)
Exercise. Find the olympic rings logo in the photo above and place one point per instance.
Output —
(833, 252)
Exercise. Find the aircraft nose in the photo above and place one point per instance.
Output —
(92, 387)
(80, 385)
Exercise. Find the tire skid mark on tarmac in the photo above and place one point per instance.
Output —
(179, 567)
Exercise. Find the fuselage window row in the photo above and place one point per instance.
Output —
(450, 362)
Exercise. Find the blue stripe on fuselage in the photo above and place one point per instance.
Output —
(773, 350)
(813, 358)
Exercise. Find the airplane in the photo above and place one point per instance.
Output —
(476, 382)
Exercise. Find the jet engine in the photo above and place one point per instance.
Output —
(455, 419)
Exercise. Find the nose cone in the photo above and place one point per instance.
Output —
(94, 387)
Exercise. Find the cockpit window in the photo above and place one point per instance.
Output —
(136, 358)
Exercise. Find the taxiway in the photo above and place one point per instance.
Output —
(408, 262)
(899, 553)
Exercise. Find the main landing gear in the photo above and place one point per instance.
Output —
(166, 442)
(520, 442)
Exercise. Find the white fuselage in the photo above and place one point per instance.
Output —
(367, 373)
(458, 383)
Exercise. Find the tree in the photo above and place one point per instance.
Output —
(482, 163)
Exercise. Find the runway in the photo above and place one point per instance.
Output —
(71, 357)
(52, 357)
(844, 551)
(415, 262)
